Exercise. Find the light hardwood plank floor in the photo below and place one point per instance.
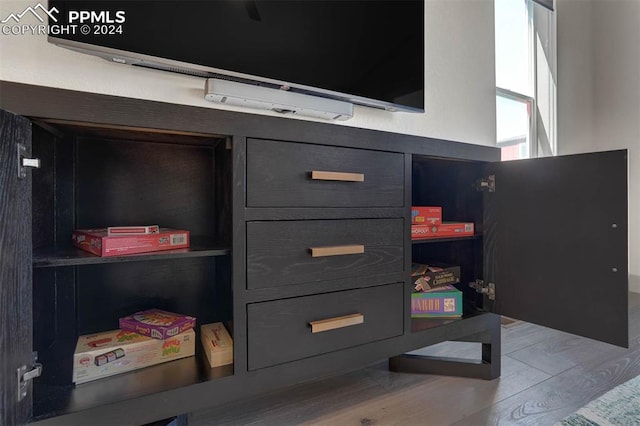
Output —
(546, 375)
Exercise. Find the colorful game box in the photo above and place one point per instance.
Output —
(157, 323)
(427, 277)
(217, 344)
(445, 229)
(113, 352)
(442, 302)
(426, 215)
(98, 242)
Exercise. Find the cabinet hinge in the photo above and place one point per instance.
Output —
(488, 184)
(24, 163)
(484, 288)
(26, 374)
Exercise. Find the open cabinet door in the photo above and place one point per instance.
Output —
(555, 243)
(15, 269)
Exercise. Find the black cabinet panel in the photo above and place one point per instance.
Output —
(120, 182)
(279, 331)
(15, 270)
(278, 253)
(556, 243)
(110, 291)
(279, 175)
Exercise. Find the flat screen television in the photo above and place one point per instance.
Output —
(368, 52)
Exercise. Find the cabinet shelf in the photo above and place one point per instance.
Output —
(55, 400)
(423, 324)
(445, 239)
(70, 256)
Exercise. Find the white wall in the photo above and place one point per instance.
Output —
(460, 74)
(599, 55)
(575, 106)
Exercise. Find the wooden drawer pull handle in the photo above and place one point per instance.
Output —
(337, 322)
(336, 250)
(345, 177)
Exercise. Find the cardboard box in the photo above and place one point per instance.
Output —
(442, 302)
(426, 215)
(157, 324)
(217, 344)
(446, 229)
(98, 242)
(113, 352)
(427, 277)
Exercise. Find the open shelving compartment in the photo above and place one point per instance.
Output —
(450, 184)
(533, 256)
(93, 177)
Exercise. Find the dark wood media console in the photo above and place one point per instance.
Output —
(292, 222)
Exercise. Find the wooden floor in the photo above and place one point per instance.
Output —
(546, 375)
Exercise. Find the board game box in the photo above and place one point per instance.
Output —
(98, 242)
(217, 344)
(427, 215)
(427, 277)
(113, 352)
(157, 323)
(445, 229)
(442, 302)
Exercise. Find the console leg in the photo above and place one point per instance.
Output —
(488, 367)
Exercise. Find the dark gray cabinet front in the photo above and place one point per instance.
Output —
(15, 269)
(280, 331)
(286, 174)
(281, 253)
(555, 243)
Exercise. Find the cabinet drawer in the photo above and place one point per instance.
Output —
(280, 331)
(294, 252)
(286, 174)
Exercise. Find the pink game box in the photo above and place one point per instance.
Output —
(446, 229)
(157, 323)
(98, 241)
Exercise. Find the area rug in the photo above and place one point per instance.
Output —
(620, 406)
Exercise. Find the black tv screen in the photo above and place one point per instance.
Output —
(366, 52)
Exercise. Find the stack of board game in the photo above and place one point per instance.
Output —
(122, 240)
(145, 338)
(148, 338)
(159, 324)
(434, 295)
(426, 222)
